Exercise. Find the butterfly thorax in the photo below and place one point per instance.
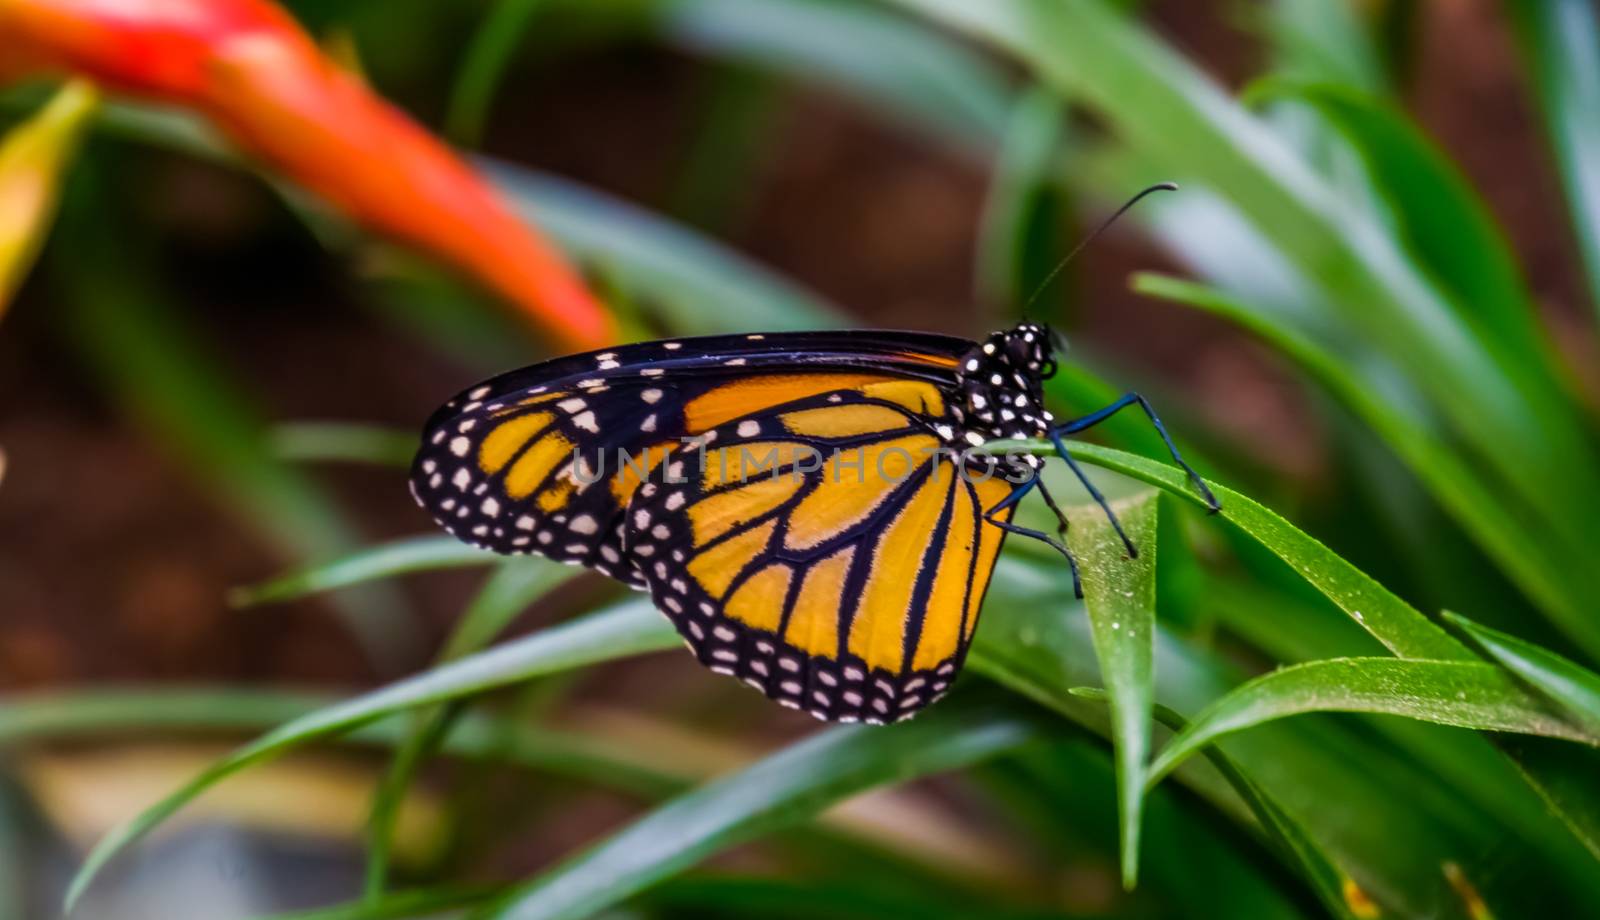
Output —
(1001, 386)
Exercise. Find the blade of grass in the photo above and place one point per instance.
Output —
(374, 563)
(1170, 112)
(1534, 562)
(627, 629)
(1060, 796)
(139, 712)
(1017, 220)
(1463, 694)
(695, 285)
(1561, 44)
(1290, 838)
(795, 783)
(1323, 41)
(1575, 689)
(1441, 218)
(424, 902)
(1390, 620)
(18, 845)
(736, 109)
(1403, 629)
(483, 66)
(849, 897)
(1043, 656)
(909, 72)
(509, 590)
(1119, 594)
(156, 368)
(1563, 775)
(343, 442)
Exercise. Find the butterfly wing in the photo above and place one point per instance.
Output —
(545, 459)
(828, 553)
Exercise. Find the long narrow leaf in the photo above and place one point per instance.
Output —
(1119, 594)
(793, 784)
(139, 712)
(696, 285)
(909, 71)
(483, 66)
(386, 560)
(1478, 696)
(629, 629)
(1561, 44)
(1294, 843)
(343, 442)
(1167, 109)
(170, 382)
(508, 591)
(1540, 566)
(1389, 619)
(1575, 689)
(1441, 218)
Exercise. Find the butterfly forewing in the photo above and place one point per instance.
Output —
(529, 462)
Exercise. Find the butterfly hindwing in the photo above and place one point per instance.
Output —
(829, 552)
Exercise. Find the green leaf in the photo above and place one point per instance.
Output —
(1018, 221)
(795, 783)
(695, 285)
(861, 896)
(154, 365)
(1290, 837)
(428, 902)
(483, 67)
(343, 442)
(1561, 44)
(1120, 595)
(1563, 776)
(1441, 218)
(1575, 689)
(908, 71)
(508, 591)
(628, 629)
(1390, 620)
(386, 560)
(1314, 39)
(1181, 123)
(1463, 694)
(140, 712)
(1535, 562)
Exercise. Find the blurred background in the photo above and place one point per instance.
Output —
(210, 373)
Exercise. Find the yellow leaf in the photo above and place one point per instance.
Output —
(32, 159)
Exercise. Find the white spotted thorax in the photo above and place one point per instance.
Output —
(1001, 382)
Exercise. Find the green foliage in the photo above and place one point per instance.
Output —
(1353, 748)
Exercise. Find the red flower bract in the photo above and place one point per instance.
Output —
(248, 67)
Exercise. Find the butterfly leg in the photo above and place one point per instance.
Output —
(1016, 496)
(1061, 516)
(1095, 418)
(1061, 448)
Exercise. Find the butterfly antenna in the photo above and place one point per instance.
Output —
(1060, 266)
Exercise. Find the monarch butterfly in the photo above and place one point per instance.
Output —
(845, 575)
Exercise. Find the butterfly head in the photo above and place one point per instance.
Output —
(1002, 382)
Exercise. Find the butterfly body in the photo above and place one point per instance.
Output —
(813, 511)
